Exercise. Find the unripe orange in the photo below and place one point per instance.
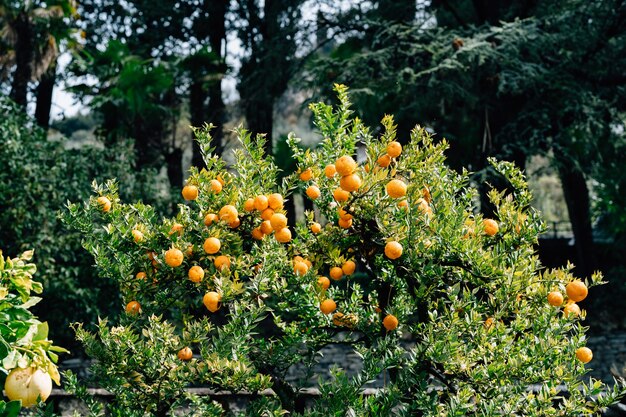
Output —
(390, 322)
(173, 257)
(396, 188)
(137, 236)
(210, 218)
(261, 202)
(283, 235)
(571, 309)
(212, 245)
(394, 149)
(228, 213)
(490, 226)
(345, 165)
(275, 201)
(350, 182)
(248, 205)
(313, 192)
(105, 203)
(316, 228)
(584, 354)
(221, 262)
(267, 214)
(336, 273)
(384, 161)
(278, 221)
(211, 301)
(185, 354)
(576, 290)
(330, 170)
(196, 274)
(345, 223)
(348, 267)
(323, 282)
(328, 306)
(133, 308)
(190, 192)
(306, 175)
(266, 227)
(555, 298)
(216, 186)
(393, 250)
(341, 195)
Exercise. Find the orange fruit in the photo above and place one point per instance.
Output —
(278, 221)
(261, 202)
(422, 205)
(137, 236)
(266, 227)
(404, 204)
(394, 149)
(195, 274)
(341, 195)
(300, 268)
(488, 323)
(216, 186)
(396, 188)
(345, 165)
(576, 290)
(345, 223)
(330, 170)
(584, 354)
(176, 228)
(313, 192)
(185, 354)
(221, 262)
(228, 213)
(390, 322)
(173, 257)
(384, 161)
(257, 234)
(267, 214)
(344, 214)
(328, 306)
(308, 263)
(210, 218)
(323, 282)
(316, 228)
(348, 267)
(248, 205)
(189, 251)
(571, 308)
(212, 245)
(133, 308)
(190, 192)
(220, 179)
(336, 273)
(555, 298)
(426, 195)
(393, 250)
(211, 301)
(350, 182)
(275, 201)
(140, 275)
(283, 235)
(490, 226)
(104, 203)
(306, 175)
(235, 223)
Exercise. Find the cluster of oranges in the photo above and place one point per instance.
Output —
(273, 219)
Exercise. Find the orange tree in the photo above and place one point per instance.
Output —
(452, 311)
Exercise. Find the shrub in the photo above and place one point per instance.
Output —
(449, 309)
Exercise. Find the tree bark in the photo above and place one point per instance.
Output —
(197, 97)
(23, 59)
(44, 96)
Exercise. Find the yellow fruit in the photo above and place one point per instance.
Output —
(216, 186)
(176, 228)
(323, 282)
(330, 170)
(212, 245)
(185, 354)
(275, 201)
(316, 228)
(211, 301)
(261, 202)
(196, 274)
(140, 275)
(221, 262)
(278, 221)
(300, 268)
(384, 161)
(396, 189)
(576, 291)
(341, 195)
(313, 192)
(266, 227)
(173, 257)
(283, 235)
(555, 298)
(133, 308)
(328, 306)
(105, 204)
(267, 214)
(228, 213)
(190, 192)
(350, 182)
(306, 175)
(345, 165)
(390, 322)
(348, 267)
(210, 218)
(27, 384)
(336, 273)
(584, 354)
(248, 205)
(394, 149)
(137, 236)
(393, 250)
(345, 223)
(257, 234)
(571, 309)
(490, 226)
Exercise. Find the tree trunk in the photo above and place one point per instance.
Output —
(23, 59)
(174, 161)
(44, 96)
(197, 97)
(260, 118)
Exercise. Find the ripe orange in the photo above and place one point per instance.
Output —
(220, 179)
(345, 223)
(266, 227)
(390, 322)
(140, 275)
(173, 257)
(348, 267)
(350, 182)
(584, 354)
(133, 308)
(576, 290)
(137, 236)
(210, 218)
(216, 186)
(212, 245)
(489, 323)
(261, 202)
(278, 221)
(313, 192)
(257, 234)
(316, 227)
(283, 235)
(571, 309)
(384, 161)
(393, 250)
(345, 165)
(336, 273)
(235, 223)
(228, 213)
(328, 306)
(308, 263)
(555, 298)
(330, 170)
(275, 201)
(394, 149)
(396, 189)
(185, 354)
(248, 205)
(344, 214)
(300, 268)
(221, 262)
(490, 227)
(426, 195)
(211, 301)
(105, 203)
(341, 195)
(267, 214)
(306, 175)
(422, 205)
(404, 204)
(176, 228)
(189, 251)
(196, 273)
(190, 192)
(323, 282)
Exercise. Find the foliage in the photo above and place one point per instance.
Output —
(469, 294)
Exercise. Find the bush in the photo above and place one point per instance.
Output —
(452, 311)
